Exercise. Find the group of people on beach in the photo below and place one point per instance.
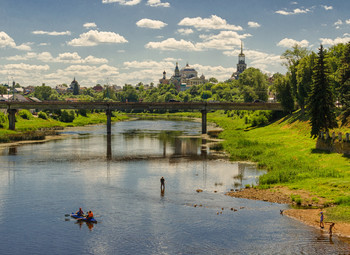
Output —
(331, 224)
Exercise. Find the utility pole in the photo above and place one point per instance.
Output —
(13, 90)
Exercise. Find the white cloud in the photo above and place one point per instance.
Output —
(149, 64)
(225, 40)
(94, 37)
(258, 59)
(149, 23)
(53, 33)
(152, 71)
(87, 76)
(338, 22)
(157, 3)
(295, 11)
(7, 41)
(347, 21)
(185, 31)
(172, 44)
(122, 2)
(288, 43)
(26, 67)
(253, 24)
(24, 47)
(327, 8)
(67, 57)
(90, 25)
(214, 22)
(328, 41)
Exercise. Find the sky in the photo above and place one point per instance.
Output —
(119, 42)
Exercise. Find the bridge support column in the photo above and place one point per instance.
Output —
(109, 121)
(12, 118)
(204, 121)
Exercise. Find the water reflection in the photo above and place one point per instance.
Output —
(118, 178)
(12, 150)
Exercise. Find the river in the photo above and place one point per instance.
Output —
(40, 183)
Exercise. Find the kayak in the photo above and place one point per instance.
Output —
(83, 218)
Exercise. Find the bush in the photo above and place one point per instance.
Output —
(25, 114)
(3, 119)
(67, 116)
(82, 112)
(42, 115)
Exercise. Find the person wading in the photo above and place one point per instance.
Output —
(162, 184)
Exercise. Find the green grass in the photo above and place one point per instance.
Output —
(285, 149)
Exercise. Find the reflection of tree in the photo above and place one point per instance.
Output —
(240, 175)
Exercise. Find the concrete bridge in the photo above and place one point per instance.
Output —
(204, 107)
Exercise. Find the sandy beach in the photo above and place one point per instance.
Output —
(282, 195)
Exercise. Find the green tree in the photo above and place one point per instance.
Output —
(3, 90)
(213, 80)
(344, 89)
(321, 105)
(42, 92)
(304, 79)
(284, 93)
(3, 120)
(292, 57)
(257, 81)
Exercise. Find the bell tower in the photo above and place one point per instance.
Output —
(241, 66)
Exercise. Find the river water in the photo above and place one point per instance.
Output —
(40, 183)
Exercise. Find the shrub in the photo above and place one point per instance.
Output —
(67, 116)
(42, 115)
(25, 114)
(3, 119)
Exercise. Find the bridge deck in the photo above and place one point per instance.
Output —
(199, 106)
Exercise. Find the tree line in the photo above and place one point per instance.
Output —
(314, 82)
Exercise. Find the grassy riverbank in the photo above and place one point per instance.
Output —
(286, 150)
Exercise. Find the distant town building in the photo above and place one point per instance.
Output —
(183, 79)
(241, 66)
(61, 89)
(97, 88)
(74, 87)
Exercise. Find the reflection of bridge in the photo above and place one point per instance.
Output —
(203, 107)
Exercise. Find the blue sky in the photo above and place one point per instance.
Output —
(128, 41)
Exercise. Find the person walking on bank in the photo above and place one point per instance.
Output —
(331, 226)
(162, 184)
(321, 220)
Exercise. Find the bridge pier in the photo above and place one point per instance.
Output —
(12, 118)
(109, 121)
(204, 121)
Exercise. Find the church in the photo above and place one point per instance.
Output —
(184, 79)
(241, 66)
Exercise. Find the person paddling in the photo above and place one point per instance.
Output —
(90, 215)
(80, 212)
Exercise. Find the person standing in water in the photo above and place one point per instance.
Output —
(162, 184)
